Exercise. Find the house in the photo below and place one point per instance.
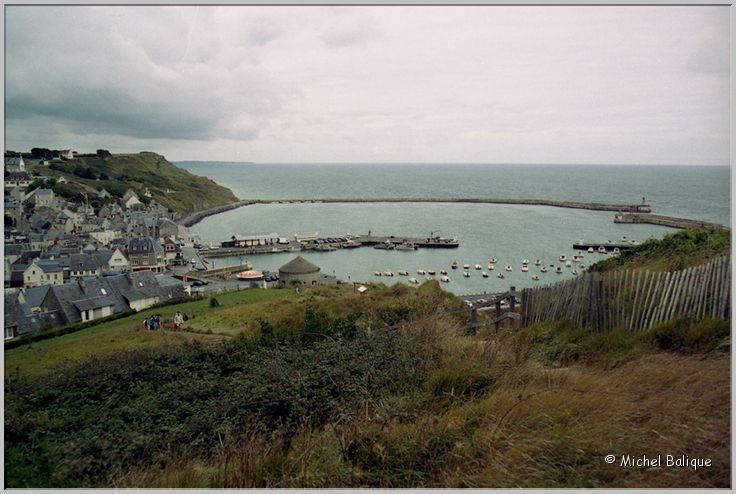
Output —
(171, 249)
(43, 272)
(17, 179)
(18, 194)
(138, 290)
(66, 154)
(103, 194)
(105, 236)
(130, 199)
(83, 265)
(111, 260)
(86, 299)
(62, 180)
(17, 164)
(43, 198)
(145, 253)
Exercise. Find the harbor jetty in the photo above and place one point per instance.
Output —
(656, 219)
(196, 217)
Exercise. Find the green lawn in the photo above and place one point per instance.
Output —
(127, 333)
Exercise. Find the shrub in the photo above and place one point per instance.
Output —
(214, 302)
(683, 335)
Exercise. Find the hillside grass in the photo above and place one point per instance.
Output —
(328, 388)
(673, 252)
(187, 192)
(128, 333)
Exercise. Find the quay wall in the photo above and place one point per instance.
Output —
(669, 221)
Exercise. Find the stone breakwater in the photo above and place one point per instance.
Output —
(196, 217)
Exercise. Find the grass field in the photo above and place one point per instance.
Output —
(128, 333)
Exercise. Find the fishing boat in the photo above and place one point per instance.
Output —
(535, 277)
(524, 268)
(466, 266)
(324, 248)
(466, 274)
(591, 250)
(377, 273)
(509, 268)
(388, 273)
(384, 246)
(351, 244)
(406, 246)
(443, 272)
(478, 267)
(414, 281)
(431, 272)
(500, 275)
(563, 258)
(404, 273)
(544, 269)
(491, 267)
(525, 261)
(538, 262)
(421, 271)
(493, 260)
(602, 249)
(484, 274)
(445, 279)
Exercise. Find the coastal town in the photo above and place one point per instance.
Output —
(71, 262)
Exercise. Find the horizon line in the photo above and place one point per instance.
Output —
(437, 163)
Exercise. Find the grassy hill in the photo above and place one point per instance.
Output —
(331, 388)
(174, 187)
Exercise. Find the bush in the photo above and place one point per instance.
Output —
(682, 335)
(214, 302)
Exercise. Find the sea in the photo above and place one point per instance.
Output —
(509, 233)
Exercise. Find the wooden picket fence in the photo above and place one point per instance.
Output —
(634, 299)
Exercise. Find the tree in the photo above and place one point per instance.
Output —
(103, 153)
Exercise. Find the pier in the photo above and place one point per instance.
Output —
(609, 246)
(656, 219)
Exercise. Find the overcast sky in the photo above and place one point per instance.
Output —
(484, 84)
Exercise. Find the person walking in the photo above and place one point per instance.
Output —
(178, 320)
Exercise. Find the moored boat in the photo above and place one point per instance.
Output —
(414, 281)
(404, 273)
(478, 267)
(466, 274)
(250, 276)
(454, 265)
(543, 269)
(524, 268)
(537, 262)
(421, 271)
(500, 275)
(558, 270)
(484, 274)
(509, 268)
(445, 279)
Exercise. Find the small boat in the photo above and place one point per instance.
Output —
(384, 246)
(250, 276)
(466, 274)
(544, 269)
(388, 273)
(324, 248)
(537, 262)
(404, 273)
(582, 266)
(484, 274)
(429, 278)
(575, 259)
(406, 246)
(524, 268)
(431, 272)
(443, 272)
(602, 249)
(466, 266)
(351, 244)
(493, 260)
(377, 273)
(509, 268)
(525, 261)
(421, 271)
(445, 279)
(275, 250)
(535, 277)
(491, 267)
(478, 267)
(454, 265)
(558, 270)
(500, 275)
(568, 264)
(294, 248)
(575, 271)
(563, 258)
(616, 250)
(591, 250)
(414, 281)
(623, 239)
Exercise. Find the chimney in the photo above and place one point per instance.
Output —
(81, 282)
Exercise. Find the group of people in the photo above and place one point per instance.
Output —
(154, 322)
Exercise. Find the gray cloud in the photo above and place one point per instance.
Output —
(512, 84)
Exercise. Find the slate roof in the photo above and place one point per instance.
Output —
(13, 249)
(83, 262)
(299, 265)
(143, 245)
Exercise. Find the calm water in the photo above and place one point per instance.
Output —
(508, 232)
